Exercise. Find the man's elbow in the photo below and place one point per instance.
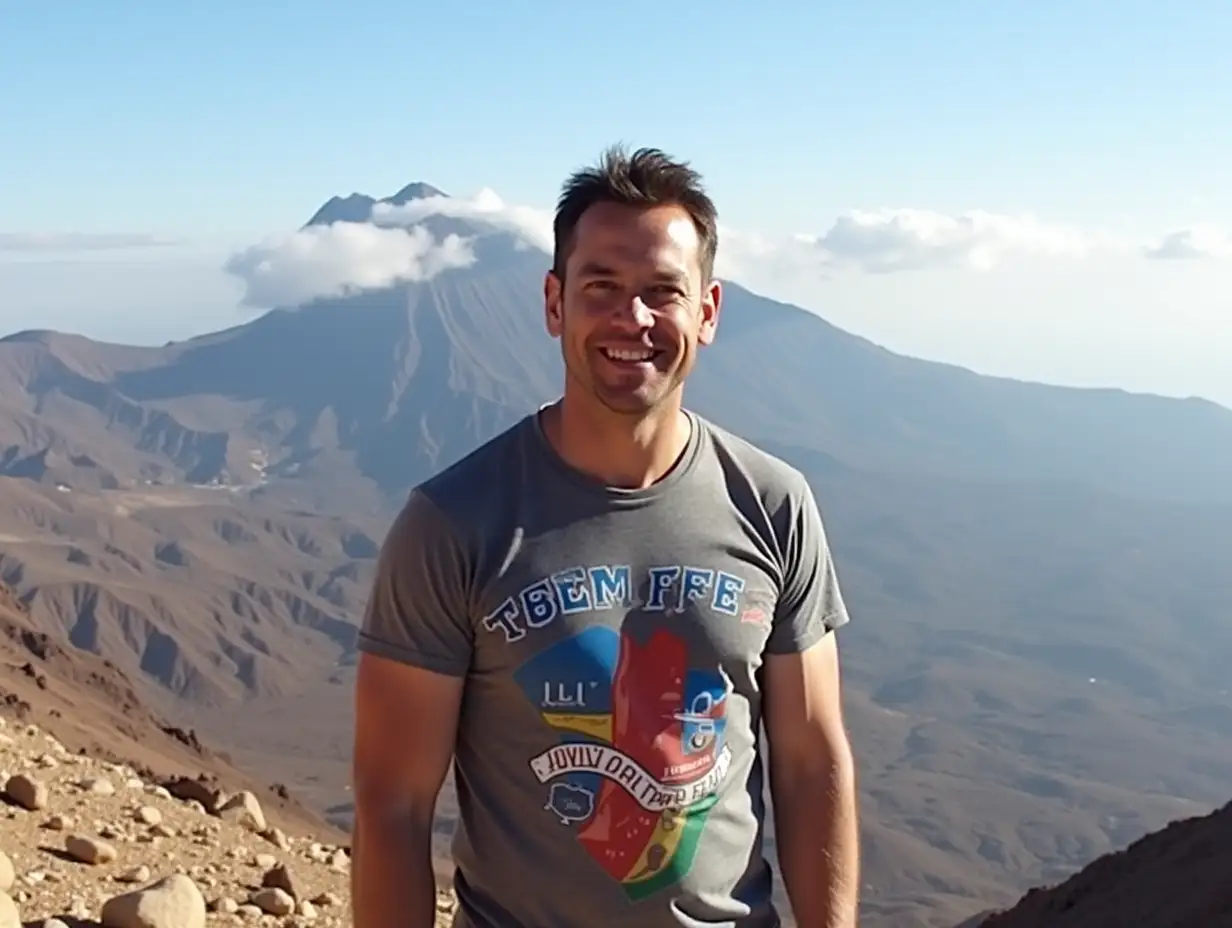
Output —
(381, 807)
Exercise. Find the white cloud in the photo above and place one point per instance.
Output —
(391, 247)
(888, 240)
(77, 241)
(530, 225)
(342, 258)
(875, 241)
(1202, 241)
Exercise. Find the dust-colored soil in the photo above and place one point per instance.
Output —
(76, 831)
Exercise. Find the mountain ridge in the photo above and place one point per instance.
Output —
(1175, 877)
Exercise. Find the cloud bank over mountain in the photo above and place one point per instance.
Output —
(530, 225)
(341, 258)
(334, 259)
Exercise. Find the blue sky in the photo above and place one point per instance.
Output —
(218, 124)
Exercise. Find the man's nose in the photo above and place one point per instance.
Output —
(635, 314)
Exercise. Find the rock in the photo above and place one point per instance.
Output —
(273, 901)
(136, 875)
(224, 904)
(89, 850)
(276, 837)
(245, 810)
(280, 877)
(99, 785)
(60, 822)
(172, 902)
(149, 815)
(27, 792)
(190, 790)
(7, 875)
(9, 916)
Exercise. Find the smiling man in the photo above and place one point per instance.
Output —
(596, 614)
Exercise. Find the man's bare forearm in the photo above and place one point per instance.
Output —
(392, 880)
(817, 837)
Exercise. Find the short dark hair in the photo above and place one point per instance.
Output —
(647, 177)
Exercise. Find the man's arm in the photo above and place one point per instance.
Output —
(415, 644)
(405, 724)
(813, 786)
(812, 772)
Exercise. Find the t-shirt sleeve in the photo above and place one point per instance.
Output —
(417, 610)
(810, 604)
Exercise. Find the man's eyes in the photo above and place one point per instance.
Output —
(656, 289)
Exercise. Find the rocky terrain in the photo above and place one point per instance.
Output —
(110, 815)
(89, 840)
(1173, 878)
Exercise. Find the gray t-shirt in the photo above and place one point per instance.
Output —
(607, 763)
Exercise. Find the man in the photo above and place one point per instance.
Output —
(594, 613)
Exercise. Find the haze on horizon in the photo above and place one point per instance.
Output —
(1035, 192)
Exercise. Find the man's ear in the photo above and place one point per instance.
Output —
(712, 302)
(553, 303)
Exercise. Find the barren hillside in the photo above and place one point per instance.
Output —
(88, 841)
(105, 809)
(90, 706)
(199, 595)
(1173, 878)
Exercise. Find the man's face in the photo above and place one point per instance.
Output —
(633, 307)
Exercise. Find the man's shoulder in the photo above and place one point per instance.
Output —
(461, 492)
(769, 476)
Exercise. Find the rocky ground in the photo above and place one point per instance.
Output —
(88, 842)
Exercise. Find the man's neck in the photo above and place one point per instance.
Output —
(628, 452)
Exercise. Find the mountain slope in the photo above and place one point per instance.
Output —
(1173, 878)
(91, 707)
(198, 594)
(780, 373)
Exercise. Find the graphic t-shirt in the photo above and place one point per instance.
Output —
(607, 763)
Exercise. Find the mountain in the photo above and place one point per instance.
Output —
(419, 373)
(357, 207)
(1173, 878)
(91, 708)
(210, 597)
(1037, 574)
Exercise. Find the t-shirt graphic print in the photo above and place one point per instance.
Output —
(641, 749)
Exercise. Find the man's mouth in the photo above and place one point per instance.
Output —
(629, 355)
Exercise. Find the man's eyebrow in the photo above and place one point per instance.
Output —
(670, 276)
(595, 269)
